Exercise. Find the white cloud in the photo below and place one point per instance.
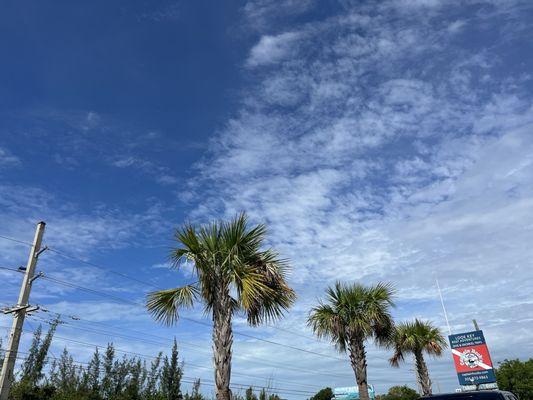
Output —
(159, 173)
(456, 26)
(373, 152)
(262, 14)
(272, 49)
(8, 159)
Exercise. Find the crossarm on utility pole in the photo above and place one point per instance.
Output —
(19, 313)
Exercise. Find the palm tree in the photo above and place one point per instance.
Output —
(233, 274)
(353, 314)
(417, 337)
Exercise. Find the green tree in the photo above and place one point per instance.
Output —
(517, 377)
(108, 372)
(29, 362)
(93, 376)
(353, 314)
(323, 394)
(233, 273)
(133, 388)
(249, 394)
(65, 377)
(195, 393)
(171, 375)
(32, 368)
(150, 390)
(121, 370)
(41, 359)
(400, 393)
(417, 338)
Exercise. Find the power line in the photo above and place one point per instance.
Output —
(266, 363)
(106, 269)
(110, 270)
(122, 300)
(112, 334)
(93, 345)
(136, 304)
(126, 276)
(16, 240)
(192, 380)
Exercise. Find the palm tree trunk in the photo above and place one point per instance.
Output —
(222, 342)
(423, 374)
(358, 361)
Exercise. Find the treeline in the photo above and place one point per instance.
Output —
(106, 377)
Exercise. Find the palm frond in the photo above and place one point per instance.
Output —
(164, 305)
(327, 323)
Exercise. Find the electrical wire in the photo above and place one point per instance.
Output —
(126, 301)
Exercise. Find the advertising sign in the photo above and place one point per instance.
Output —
(351, 393)
(472, 359)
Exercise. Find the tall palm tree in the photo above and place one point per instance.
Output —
(352, 314)
(233, 274)
(417, 338)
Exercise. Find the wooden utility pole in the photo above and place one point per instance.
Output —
(19, 312)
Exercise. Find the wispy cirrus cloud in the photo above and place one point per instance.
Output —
(7, 159)
(379, 145)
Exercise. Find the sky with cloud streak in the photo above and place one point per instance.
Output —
(380, 141)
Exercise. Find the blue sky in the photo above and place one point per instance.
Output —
(388, 141)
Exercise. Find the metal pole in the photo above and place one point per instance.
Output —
(443, 309)
(476, 326)
(19, 312)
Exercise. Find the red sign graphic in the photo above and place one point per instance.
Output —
(472, 358)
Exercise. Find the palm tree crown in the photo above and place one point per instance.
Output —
(227, 260)
(354, 310)
(416, 337)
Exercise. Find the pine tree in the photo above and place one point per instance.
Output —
(120, 372)
(108, 379)
(29, 363)
(250, 395)
(150, 390)
(263, 394)
(195, 393)
(135, 382)
(171, 376)
(65, 377)
(42, 354)
(32, 368)
(93, 376)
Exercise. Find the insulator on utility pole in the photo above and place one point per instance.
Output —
(19, 312)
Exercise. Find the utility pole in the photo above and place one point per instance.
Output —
(19, 312)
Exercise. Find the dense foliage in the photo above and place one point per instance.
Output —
(105, 377)
(323, 394)
(399, 393)
(517, 377)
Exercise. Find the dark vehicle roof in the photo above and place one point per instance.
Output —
(472, 395)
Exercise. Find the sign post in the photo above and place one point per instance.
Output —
(472, 359)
